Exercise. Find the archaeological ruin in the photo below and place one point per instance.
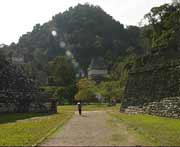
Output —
(20, 93)
(153, 86)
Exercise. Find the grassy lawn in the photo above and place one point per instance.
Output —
(28, 129)
(157, 130)
(91, 107)
(152, 129)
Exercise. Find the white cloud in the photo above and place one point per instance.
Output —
(19, 16)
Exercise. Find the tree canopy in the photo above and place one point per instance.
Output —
(86, 90)
(16, 87)
(62, 71)
(163, 32)
(85, 30)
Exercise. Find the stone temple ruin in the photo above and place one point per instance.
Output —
(153, 87)
(19, 93)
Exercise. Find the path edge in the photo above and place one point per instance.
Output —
(52, 131)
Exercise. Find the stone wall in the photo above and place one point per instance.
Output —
(48, 106)
(153, 79)
(20, 93)
(152, 82)
(40, 102)
(133, 110)
(4, 107)
(167, 107)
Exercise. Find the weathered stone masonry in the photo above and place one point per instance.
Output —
(42, 105)
(20, 92)
(153, 84)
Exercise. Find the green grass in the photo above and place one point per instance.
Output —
(91, 107)
(25, 129)
(157, 130)
(28, 129)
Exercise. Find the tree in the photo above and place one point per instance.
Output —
(133, 36)
(114, 87)
(86, 90)
(164, 30)
(111, 90)
(85, 30)
(61, 93)
(121, 68)
(86, 95)
(16, 87)
(91, 32)
(65, 94)
(62, 71)
(175, 2)
(85, 83)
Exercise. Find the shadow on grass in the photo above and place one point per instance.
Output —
(13, 117)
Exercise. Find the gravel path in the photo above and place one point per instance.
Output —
(91, 129)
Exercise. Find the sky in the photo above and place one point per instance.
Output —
(19, 16)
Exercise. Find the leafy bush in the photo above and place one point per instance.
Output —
(63, 94)
(110, 90)
(86, 91)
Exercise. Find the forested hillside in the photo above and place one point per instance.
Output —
(58, 50)
(86, 31)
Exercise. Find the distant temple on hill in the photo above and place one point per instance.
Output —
(97, 69)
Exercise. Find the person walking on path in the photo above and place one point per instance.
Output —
(79, 108)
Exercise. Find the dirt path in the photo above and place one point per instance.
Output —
(91, 129)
